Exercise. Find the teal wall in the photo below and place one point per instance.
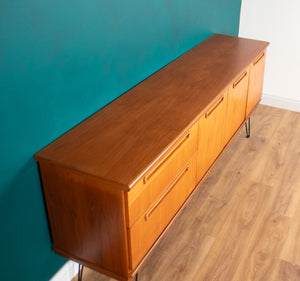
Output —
(60, 61)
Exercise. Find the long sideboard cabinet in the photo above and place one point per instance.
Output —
(115, 183)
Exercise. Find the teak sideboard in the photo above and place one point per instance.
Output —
(114, 184)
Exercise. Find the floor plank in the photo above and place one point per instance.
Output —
(288, 271)
(291, 248)
(243, 223)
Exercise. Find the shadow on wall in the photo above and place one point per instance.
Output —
(25, 210)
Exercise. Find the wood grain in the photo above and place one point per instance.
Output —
(135, 129)
(147, 229)
(256, 73)
(211, 140)
(243, 223)
(288, 271)
(291, 248)
(87, 220)
(144, 194)
(236, 104)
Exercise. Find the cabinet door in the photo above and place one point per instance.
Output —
(211, 135)
(236, 105)
(257, 69)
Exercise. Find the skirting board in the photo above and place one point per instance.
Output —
(67, 272)
(281, 102)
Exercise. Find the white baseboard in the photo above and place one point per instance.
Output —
(281, 102)
(67, 272)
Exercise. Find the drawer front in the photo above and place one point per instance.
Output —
(147, 229)
(149, 188)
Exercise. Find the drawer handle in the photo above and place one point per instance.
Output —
(166, 192)
(258, 59)
(214, 107)
(147, 178)
(240, 79)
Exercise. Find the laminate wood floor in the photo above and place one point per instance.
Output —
(244, 222)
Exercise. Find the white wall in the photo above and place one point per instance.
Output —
(278, 22)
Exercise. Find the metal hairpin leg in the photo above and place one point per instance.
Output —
(80, 272)
(136, 277)
(247, 126)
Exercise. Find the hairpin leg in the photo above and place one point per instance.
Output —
(136, 277)
(247, 126)
(80, 272)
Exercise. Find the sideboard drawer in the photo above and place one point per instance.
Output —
(147, 229)
(149, 188)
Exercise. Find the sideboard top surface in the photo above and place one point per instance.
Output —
(120, 141)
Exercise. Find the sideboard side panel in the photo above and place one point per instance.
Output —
(87, 219)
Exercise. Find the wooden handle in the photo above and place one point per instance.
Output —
(214, 107)
(166, 192)
(147, 177)
(240, 79)
(259, 58)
